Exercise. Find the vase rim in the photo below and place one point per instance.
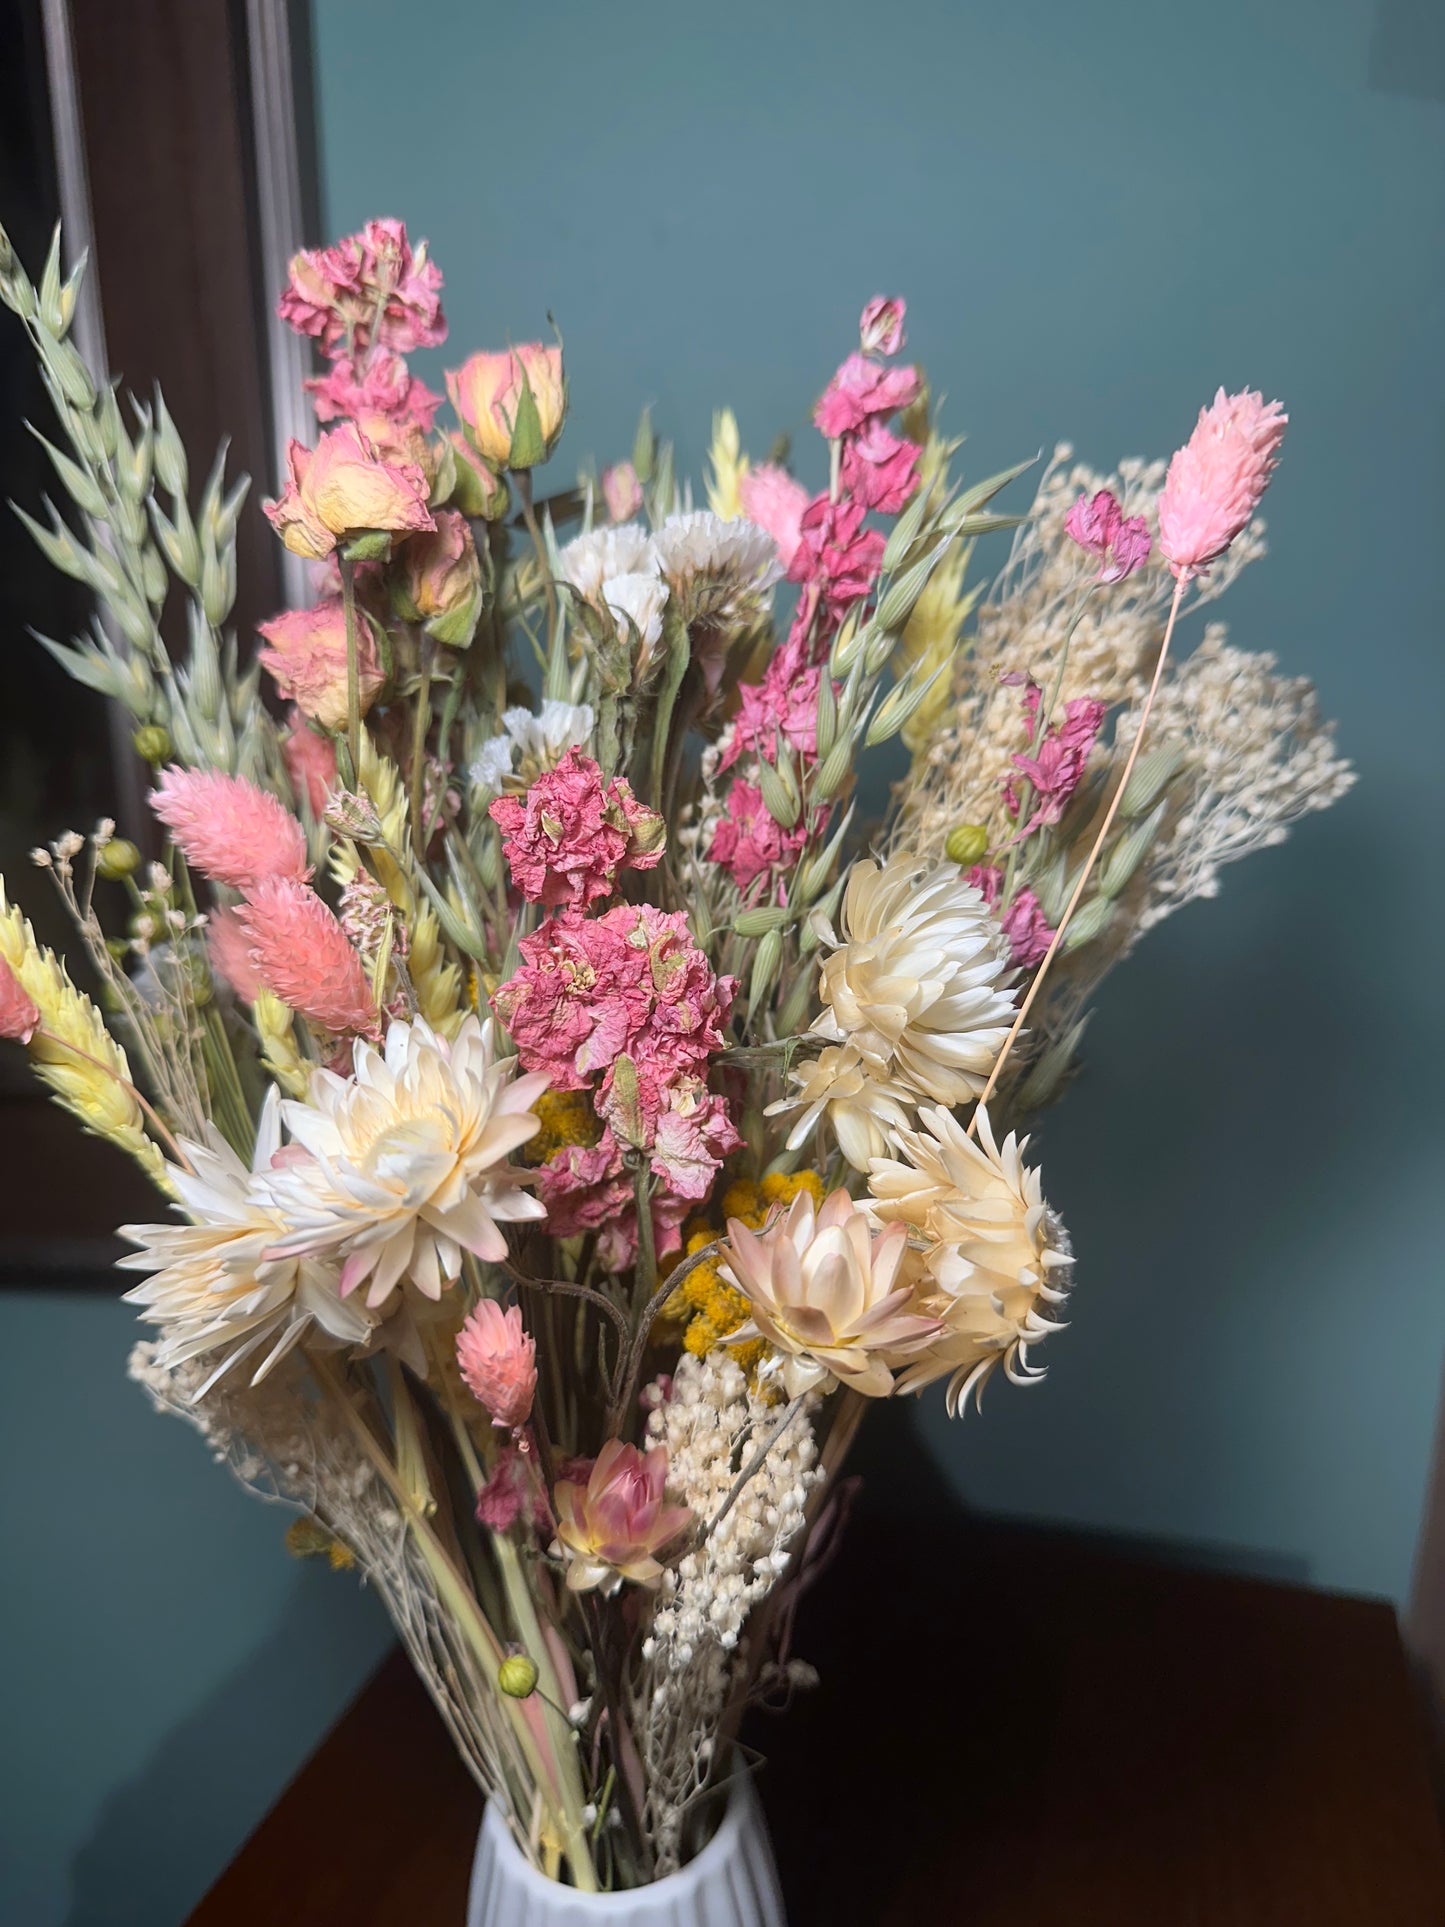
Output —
(741, 1801)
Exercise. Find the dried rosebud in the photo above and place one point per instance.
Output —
(513, 403)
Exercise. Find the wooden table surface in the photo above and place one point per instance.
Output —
(1014, 1729)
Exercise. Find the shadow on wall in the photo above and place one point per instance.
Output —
(163, 1836)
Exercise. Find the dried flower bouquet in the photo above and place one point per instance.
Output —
(570, 1116)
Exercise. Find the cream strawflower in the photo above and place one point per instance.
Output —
(408, 1159)
(918, 986)
(864, 1111)
(828, 1295)
(217, 1283)
(997, 1256)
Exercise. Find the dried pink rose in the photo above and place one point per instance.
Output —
(440, 580)
(19, 1012)
(880, 328)
(382, 385)
(621, 491)
(310, 760)
(229, 829)
(775, 502)
(568, 837)
(498, 1361)
(614, 1527)
(1216, 480)
(342, 488)
(337, 293)
(300, 953)
(305, 657)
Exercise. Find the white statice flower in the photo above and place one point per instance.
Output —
(540, 741)
(590, 560)
(718, 571)
(217, 1284)
(639, 599)
(997, 1258)
(919, 986)
(865, 1111)
(404, 1165)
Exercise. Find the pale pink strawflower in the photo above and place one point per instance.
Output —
(229, 949)
(880, 327)
(310, 760)
(1216, 480)
(498, 1360)
(775, 502)
(300, 953)
(227, 828)
(613, 1527)
(19, 1012)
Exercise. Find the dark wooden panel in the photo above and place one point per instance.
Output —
(163, 95)
(1015, 1729)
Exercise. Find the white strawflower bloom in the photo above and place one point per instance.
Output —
(864, 1111)
(997, 1255)
(829, 1296)
(217, 1283)
(593, 559)
(408, 1162)
(719, 571)
(541, 741)
(919, 985)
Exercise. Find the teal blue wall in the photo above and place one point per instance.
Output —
(1098, 212)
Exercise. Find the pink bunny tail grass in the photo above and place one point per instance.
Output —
(19, 1012)
(1216, 480)
(229, 829)
(300, 953)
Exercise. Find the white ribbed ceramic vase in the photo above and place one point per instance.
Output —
(731, 1883)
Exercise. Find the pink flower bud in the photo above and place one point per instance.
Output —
(513, 403)
(881, 327)
(1216, 480)
(498, 1360)
(19, 1012)
(621, 491)
(441, 580)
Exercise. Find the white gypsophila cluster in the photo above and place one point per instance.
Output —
(540, 741)
(711, 1424)
(1021, 630)
(292, 1440)
(1256, 756)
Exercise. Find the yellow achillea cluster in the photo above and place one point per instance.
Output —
(567, 1118)
(73, 1052)
(307, 1538)
(728, 466)
(709, 1306)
